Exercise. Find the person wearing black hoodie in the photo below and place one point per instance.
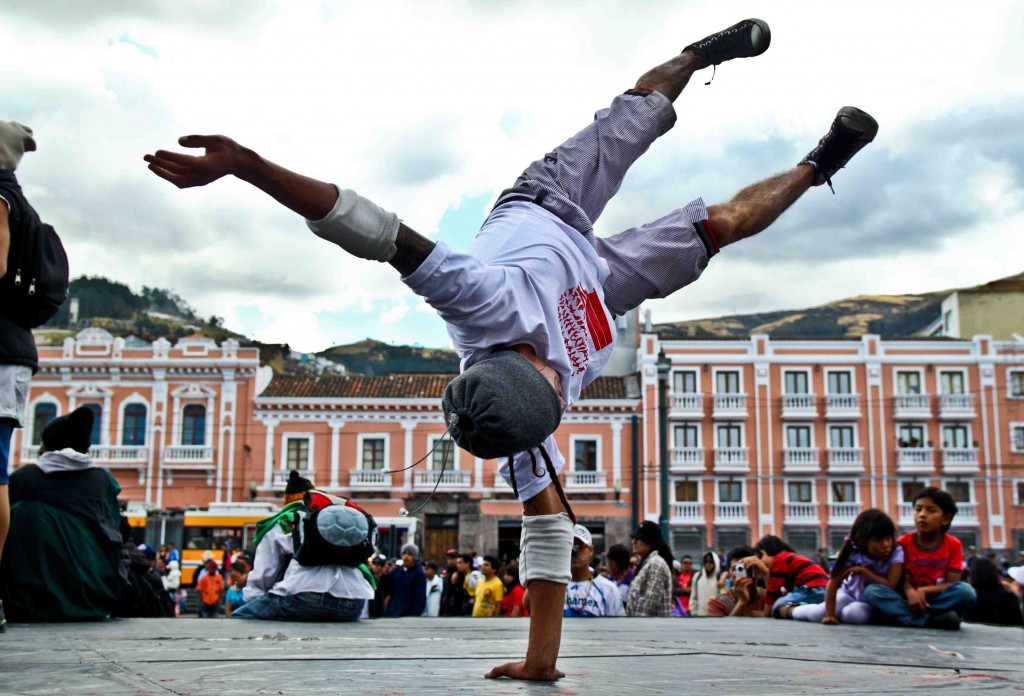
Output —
(64, 513)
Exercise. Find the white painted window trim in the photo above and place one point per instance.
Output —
(573, 439)
(131, 400)
(841, 479)
(952, 370)
(373, 436)
(30, 417)
(799, 368)
(897, 369)
(726, 479)
(830, 426)
(814, 493)
(731, 424)
(1009, 382)
(1017, 500)
(453, 465)
(681, 479)
(945, 481)
(696, 425)
(1013, 426)
(790, 426)
(900, 425)
(909, 479)
(181, 419)
(853, 380)
(685, 368)
(956, 424)
(311, 457)
(714, 379)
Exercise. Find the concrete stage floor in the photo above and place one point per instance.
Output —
(418, 656)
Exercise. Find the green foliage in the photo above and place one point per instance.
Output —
(375, 358)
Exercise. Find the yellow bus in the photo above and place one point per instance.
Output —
(207, 532)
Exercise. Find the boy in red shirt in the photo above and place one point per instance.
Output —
(933, 595)
(792, 579)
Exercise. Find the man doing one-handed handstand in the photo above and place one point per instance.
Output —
(530, 308)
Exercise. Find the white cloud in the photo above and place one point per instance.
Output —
(405, 102)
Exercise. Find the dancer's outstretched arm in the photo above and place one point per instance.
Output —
(310, 198)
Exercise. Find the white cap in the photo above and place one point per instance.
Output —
(583, 534)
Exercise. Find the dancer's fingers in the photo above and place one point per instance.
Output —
(178, 158)
(201, 140)
(167, 164)
(177, 179)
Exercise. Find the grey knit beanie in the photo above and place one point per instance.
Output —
(412, 549)
(501, 405)
(15, 141)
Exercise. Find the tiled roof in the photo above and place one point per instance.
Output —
(405, 386)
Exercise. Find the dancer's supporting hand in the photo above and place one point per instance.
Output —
(223, 156)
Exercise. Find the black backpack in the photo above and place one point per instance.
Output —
(316, 546)
(36, 282)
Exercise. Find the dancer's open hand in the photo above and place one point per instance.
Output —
(223, 156)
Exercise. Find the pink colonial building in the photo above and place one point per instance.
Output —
(797, 437)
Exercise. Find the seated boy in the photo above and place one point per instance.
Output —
(933, 595)
(792, 579)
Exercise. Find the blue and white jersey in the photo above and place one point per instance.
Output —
(595, 597)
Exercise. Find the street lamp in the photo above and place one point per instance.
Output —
(664, 366)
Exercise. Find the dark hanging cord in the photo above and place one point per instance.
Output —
(452, 420)
(512, 476)
(713, 69)
(539, 473)
(558, 484)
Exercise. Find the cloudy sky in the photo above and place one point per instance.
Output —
(431, 108)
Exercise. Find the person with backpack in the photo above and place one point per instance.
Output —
(20, 312)
(311, 562)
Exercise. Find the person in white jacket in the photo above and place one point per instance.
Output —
(531, 308)
(704, 584)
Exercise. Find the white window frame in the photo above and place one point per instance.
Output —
(1018, 500)
(896, 379)
(726, 479)
(432, 442)
(181, 420)
(573, 439)
(362, 437)
(810, 481)
(944, 483)
(714, 379)
(30, 419)
(684, 368)
(731, 424)
(1009, 382)
(1013, 444)
(135, 398)
(696, 425)
(950, 371)
(285, 438)
(845, 370)
(956, 424)
(832, 426)
(909, 479)
(924, 429)
(810, 379)
(841, 479)
(700, 489)
(791, 426)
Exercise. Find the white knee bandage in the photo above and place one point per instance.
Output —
(359, 226)
(546, 547)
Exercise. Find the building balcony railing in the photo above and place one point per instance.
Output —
(687, 513)
(799, 406)
(913, 406)
(731, 460)
(842, 513)
(956, 406)
(187, 454)
(578, 480)
(369, 478)
(451, 479)
(731, 513)
(800, 460)
(960, 460)
(966, 515)
(914, 460)
(906, 515)
(106, 457)
(279, 477)
(730, 406)
(802, 513)
(845, 460)
(842, 406)
(686, 460)
(686, 405)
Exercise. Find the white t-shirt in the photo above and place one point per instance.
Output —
(528, 278)
(595, 597)
(434, 589)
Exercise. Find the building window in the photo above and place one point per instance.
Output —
(1020, 493)
(727, 382)
(443, 455)
(962, 491)
(684, 382)
(800, 491)
(297, 453)
(798, 436)
(840, 383)
(956, 436)
(687, 492)
(951, 382)
(134, 431)
(796, 383)
(686, 435)
(193, 425)
(1017, 384)
(843, 491)
(730, 491)
(41, 417)
(841, 436)
(97, 423)
(911, 435)
(585, 458)
(373, 453)
(729, 435)
(1017, 438)
(908, 382)
(908, 489)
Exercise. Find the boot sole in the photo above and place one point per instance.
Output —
(858, 121)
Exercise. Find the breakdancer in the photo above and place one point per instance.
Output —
(530, 308)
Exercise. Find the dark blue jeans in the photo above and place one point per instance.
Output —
(6, 430)
(305, 606)
(958, 597)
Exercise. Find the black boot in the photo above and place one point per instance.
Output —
(851, 130)
(745, 39)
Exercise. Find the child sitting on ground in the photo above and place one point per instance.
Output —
(933, 595)
(869, 555)
(792, 579)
